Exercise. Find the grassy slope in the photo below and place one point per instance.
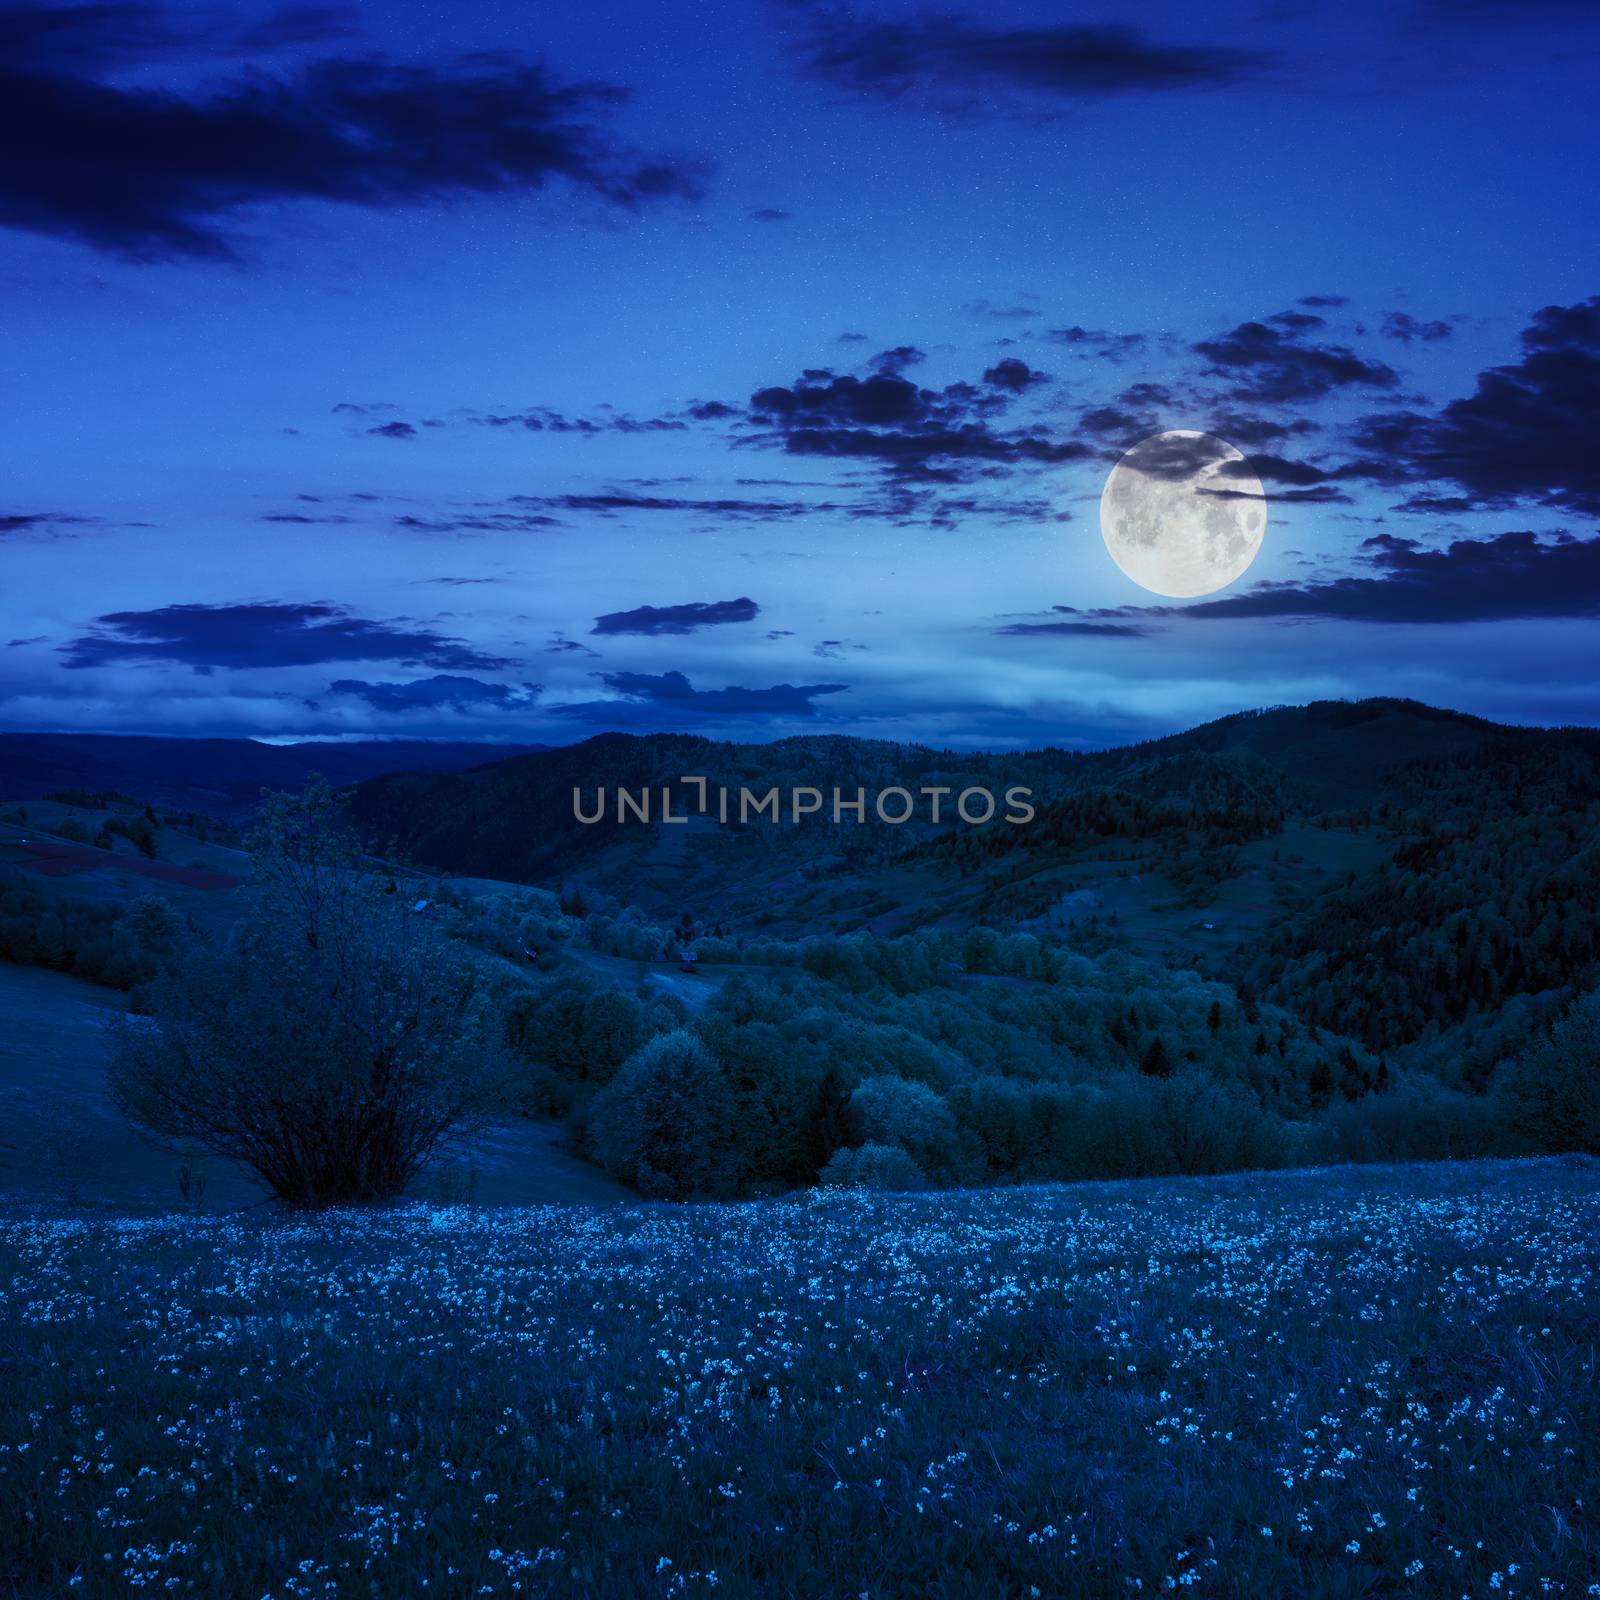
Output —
(119, 876)
(1318, 1384)
(61, 1139)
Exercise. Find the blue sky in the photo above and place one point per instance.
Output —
(361, 360)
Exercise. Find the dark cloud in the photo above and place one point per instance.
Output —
(1097, 342)
(950, 64)
(1325, 494)
(104, 35)
(393, 430)
(81, 38)
(1436, 505)
(436, 693)
(478, 522)
(1297, 321)
(1113, 420)
(1274, 469)
(1146, 394)
(712, 410)
(157, 173)
(895, 360)
(1000, 313)
(40, 522)
(1074, 629)
(1275, 365)
(1014, 375)
(540, 419)
(1177, 457)
(671, 692)
(908, 430)
(264, 634)
(1403, 326)
(609, 504)
(1516, 575)
(770, 214)
(884, 400)
(1528, 432)
(295, 27)
(1251, 432)
(1326, 301)
(657, 620)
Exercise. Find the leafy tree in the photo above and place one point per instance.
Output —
(1554, 1091)
(152, 924)
(1156, 1062)
(886, 1110)
(827, 1127)
(611, 1027)
(660, 1123)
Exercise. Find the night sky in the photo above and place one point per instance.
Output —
(519, 372)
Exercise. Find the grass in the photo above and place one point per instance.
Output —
(1315, 1384)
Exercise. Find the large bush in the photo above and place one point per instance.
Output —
(872, 1166)
(333, 1045)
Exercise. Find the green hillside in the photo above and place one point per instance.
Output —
(1386, 869)
(1309, 934)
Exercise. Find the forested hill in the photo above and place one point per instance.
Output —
(514, 818)
(1422, 884)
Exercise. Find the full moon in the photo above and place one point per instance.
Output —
(1182, 514)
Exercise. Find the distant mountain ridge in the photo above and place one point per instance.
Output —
(513, 818)
(218, 777)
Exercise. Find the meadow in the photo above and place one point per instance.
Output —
(1321, 1383)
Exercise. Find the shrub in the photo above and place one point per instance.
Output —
(872, 1166)
(333, 1045)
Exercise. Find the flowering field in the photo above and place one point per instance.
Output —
(1374, 1382)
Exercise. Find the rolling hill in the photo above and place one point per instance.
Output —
(1182, 799)
(1397, 874)
(218, 777)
